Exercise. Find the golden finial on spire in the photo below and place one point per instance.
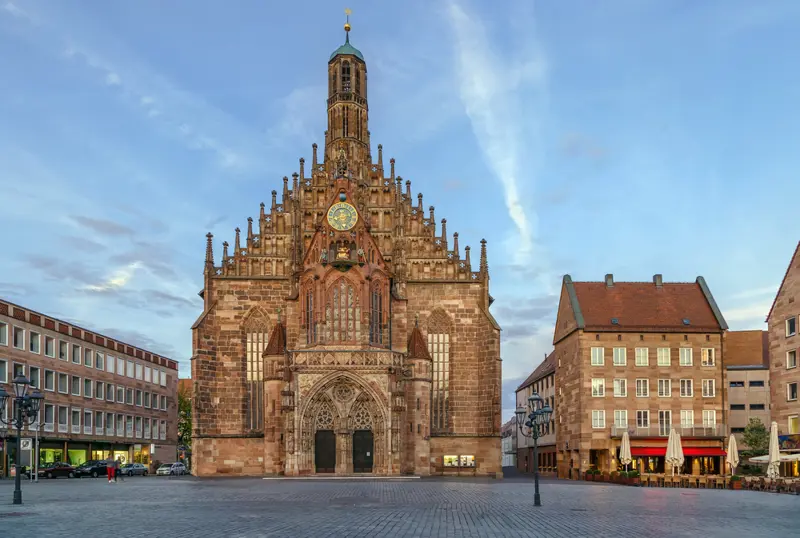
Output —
(347, 13)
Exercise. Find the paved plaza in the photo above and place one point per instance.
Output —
(191, 507)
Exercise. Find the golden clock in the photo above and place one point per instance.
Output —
(342, 216)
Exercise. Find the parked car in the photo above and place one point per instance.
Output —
(93, 468)
(131, 469)
(171, 469)
(54, 470)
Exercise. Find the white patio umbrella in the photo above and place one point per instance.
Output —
(625, 450)
(670, 458)
(773, 463)
(678, 452)
(733, 454)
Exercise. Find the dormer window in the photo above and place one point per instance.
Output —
(346, 77)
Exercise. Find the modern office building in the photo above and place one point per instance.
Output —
(101, 396)
(747, 363)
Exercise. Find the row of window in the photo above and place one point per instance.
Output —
(643, 388)
(81, 421)
(664, 418)
(753, 407)
(619, 356)
(751, 384)
(78, 386)
(81, 355)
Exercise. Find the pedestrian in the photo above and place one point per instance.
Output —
(110, 468)
(117, 466)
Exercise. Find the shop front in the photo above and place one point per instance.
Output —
(697, 461)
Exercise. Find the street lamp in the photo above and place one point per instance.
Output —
(25, 411)
(538, 414)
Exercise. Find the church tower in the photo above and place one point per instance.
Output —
(348, 125)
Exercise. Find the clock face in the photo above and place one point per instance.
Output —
(342, 216)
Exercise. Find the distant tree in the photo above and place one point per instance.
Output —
(756, 436)
(185, 418)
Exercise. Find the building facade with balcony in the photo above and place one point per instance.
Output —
(783, 325)
(542, 381)
(101, 396)
(747, 364)
(641, 357)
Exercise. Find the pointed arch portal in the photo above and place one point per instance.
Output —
(344, 427)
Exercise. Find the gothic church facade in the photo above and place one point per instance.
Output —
(345, 333)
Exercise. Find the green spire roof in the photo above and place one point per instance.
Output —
(347, 48)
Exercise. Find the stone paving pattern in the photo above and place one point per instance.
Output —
(245, 507)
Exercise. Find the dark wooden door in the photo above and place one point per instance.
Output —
(325, 451)
(363, 451)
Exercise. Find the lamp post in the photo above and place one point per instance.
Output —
(24, 412)
(538, 414)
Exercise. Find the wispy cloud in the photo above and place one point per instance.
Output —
(15, 10)
(117, 280)
(490, 87)
(102, 226)
(754, 312)
(756, 292)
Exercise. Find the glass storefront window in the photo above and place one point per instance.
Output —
(50, 455)
(122, 456)
(451, 461)
(467, 461)
(76, 457)
(99, 455)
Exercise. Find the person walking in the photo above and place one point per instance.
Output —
(117, 467)
(110, 468)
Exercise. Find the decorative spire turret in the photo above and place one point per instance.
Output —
(274, 199)
(314, 155)
(467, 261)
(224, 252)
(419, 204)
(408, 191)
(295, 184)
(433, 220)
(209, 252)
(262, 215)
(444, 234)
(237, 246)
(302, 169)
(391, 168)
(249, 232)
(455, 244)
(484, 268)
(380, 155)
(285, 196)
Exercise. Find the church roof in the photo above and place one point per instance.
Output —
(417, 349)
(347, 48)
(277, 340)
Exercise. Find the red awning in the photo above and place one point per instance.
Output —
(703, 451)
(648, 451)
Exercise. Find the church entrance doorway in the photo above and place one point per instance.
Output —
(363, 451)
(325, 451)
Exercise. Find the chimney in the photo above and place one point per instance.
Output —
(658, 280)
(609, 280)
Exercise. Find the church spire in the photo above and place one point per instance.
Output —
(348, 126)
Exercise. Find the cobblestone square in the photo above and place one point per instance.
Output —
(191, 507)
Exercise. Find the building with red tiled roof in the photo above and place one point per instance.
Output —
(643, 358)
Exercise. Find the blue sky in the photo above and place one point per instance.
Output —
(577, 137)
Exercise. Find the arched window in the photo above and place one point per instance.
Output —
(440, 327)
(358, 81)
(333, 83)
(256, 329)
(342, 312)
(376, 314)
(346, 76)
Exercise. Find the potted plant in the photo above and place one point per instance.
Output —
(615, 476)
(736, 482)
(589, 476)
(633, 478)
